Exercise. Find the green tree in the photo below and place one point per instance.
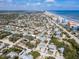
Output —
(56, 42)
(35, 54)
(1, 57)
(49, 57)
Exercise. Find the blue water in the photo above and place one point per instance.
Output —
(70, 14)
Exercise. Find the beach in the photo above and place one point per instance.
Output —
(70, 15)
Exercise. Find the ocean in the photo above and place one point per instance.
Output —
(69, 14)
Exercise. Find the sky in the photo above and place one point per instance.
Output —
(39, 4)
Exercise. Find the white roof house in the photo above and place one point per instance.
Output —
(52, 47)
(58, 34)
(61, 50)
(42, 47)
(25, 56)
(2, 45)
(12, 54)
(41, 37)
(56, 29)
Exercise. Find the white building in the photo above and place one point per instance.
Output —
(24, 55)
(2, 45)
(12, 55)
(52, 48)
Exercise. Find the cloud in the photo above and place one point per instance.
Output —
(27, 4)
(50, 0)
(9, 0)
(1, 0)
(6, 0)
(38, 3)
(33, 4)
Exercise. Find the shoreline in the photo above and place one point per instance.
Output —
(70, 19)
(65, 17)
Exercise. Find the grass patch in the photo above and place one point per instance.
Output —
(35, 54)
